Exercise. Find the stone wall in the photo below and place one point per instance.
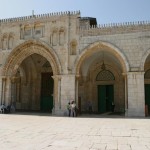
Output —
(72, 48)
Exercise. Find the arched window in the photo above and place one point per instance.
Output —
(10, 41)
(105, 75)
(27, 31)
(73, 47)
(38, 30)
(61, 36)
(5, 42)
(147, 74)
(55, 39)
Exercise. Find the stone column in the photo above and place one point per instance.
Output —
(13, 90)
(3, 90)
(66, 93)
(136, 95)
(59, 91)
(7, 91)
(126, 93)
(56, 94)
(18, 88)
(17, 92)
(77, 86)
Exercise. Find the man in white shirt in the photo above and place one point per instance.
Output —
(73, 108)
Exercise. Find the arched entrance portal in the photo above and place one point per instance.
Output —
(28, 74)
(105, 91)
(101, 79)
(147, 85)
(32, 85)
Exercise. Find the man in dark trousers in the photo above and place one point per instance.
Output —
(69, 109)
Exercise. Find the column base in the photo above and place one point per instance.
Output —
(59, 112)
(134, 113)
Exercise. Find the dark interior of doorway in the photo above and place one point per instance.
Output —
(147, 97)
(105, 98)
(47, 84)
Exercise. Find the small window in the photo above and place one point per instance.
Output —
(37, 32)
(105, 75)
(27, 32)
(73, 48)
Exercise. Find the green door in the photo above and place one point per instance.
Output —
(47, 84)
(101, 98)
(105, 98)
(147, 95)
(109, 97)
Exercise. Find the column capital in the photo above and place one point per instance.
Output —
(136, 72)
(77, 76)
(56, 77)
(13, 79)
(59, 77)
(124, 73)
(4, 78)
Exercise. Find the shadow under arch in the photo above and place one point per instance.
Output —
(22, 51)
(100, 46)
(143, 59)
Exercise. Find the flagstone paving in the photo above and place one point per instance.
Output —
(90, 132)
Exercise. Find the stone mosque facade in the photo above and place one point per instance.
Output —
(50, 59)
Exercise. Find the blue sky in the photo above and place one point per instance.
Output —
(106, 11)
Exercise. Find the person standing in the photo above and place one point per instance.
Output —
(69, 109)
(90, 107)
(73, 109)
(112, 106)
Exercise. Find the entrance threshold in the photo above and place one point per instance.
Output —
(31, 112)
(103, 115)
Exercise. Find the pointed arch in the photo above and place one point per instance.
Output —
(26, 49)
(101, 46)
(147, 74)
(143, 59)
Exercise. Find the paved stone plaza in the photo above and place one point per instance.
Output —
(44, 132)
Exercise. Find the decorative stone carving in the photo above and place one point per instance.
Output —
(105, 75)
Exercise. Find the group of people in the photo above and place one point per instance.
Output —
(4, 109)
(72, 109)
(7, 109)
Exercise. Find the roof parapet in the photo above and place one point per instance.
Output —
(114, 28)
(41, 16)
(112, 25)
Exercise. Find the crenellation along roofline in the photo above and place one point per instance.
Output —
(112, 25)
(39, 16)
